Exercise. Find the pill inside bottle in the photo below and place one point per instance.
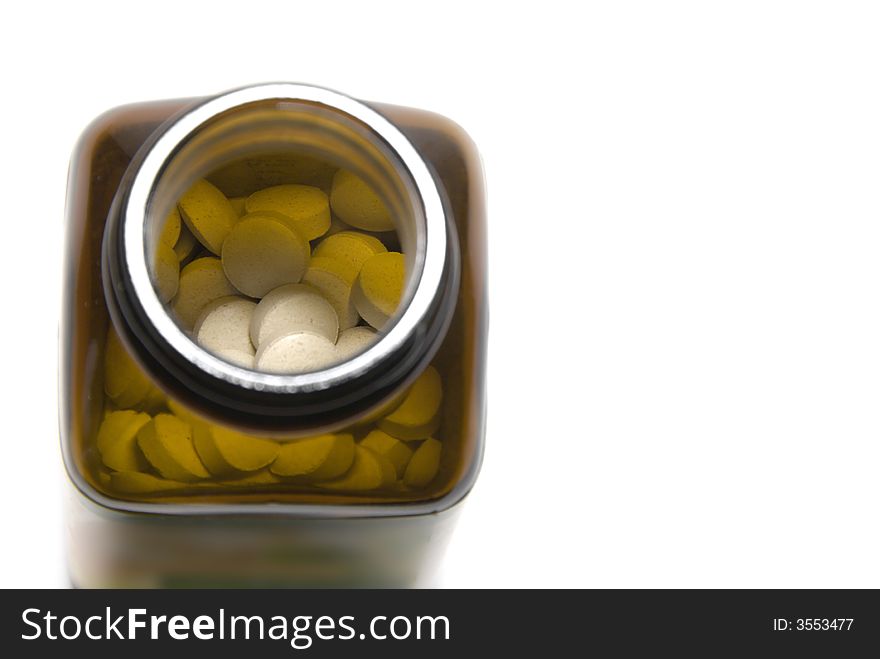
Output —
(310, 297)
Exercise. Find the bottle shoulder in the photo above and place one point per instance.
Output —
(126, 126)
(436, 136)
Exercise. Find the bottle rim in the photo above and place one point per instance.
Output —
(259, 399)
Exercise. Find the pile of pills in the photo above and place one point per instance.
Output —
(151, 445)
(290, 279)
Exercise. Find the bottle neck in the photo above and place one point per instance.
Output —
(248, 125)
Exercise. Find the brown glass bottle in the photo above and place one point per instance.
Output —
(266, 533)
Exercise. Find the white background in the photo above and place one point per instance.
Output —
(685, 263)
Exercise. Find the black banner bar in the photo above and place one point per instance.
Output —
(439, 623)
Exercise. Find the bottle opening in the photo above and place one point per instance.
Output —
(242, 214)
(282, 262)
(241, 225)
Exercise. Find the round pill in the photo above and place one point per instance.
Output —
(224, 324)
(208, 214)
(379, 287)
(302, 352)
(167, 443)
(392, 448)
(356, 203)
(419, 413)
(306, 208)
(227, 452)
(423, 466)
(170, 233)
(201, 282)
(117, 440)
(185, 245)
(318, 458)
(203, 443)
(293, 308)
(334, 279)
(354, 341)
(368, 471)
(166, 273)
(351, 246)
(262, 253)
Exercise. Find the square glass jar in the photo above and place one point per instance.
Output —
(127, 170)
